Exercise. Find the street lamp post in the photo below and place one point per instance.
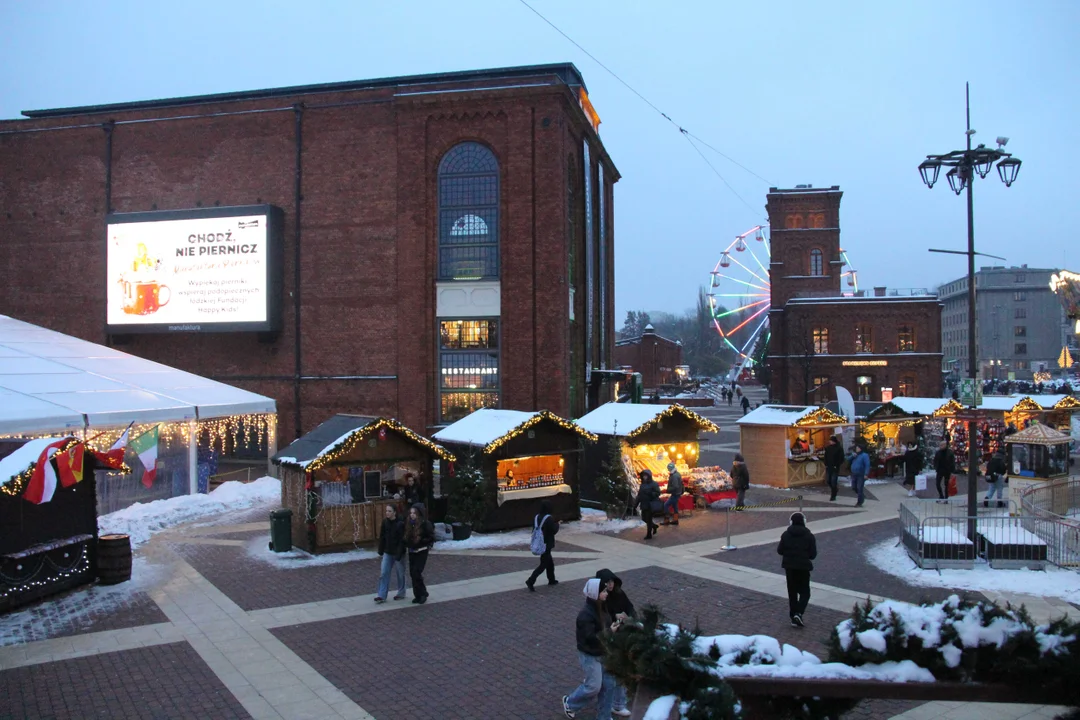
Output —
(963, 165)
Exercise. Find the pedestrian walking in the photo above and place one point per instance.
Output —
(798, 548)
(548, 526)
(740, 480)
(912, 466)
(834, 458)
(392, 552)
(860, 468)
(730, 396)
(598, 685)
(995, 475)
(675, 491)
(745, 404)
(944, 467)
(621, 610)
(648, 498)
(419, 538)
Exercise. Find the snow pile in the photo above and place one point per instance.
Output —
(259, 549)
(23, 458)
(141, 520)
(943, 535)
(660, 708)
(1053, 582)
(596, 521)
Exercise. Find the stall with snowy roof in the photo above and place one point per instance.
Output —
(892, 425)
(339, 478)
(1035, 455)
(649, 437)
(524, 457)
(1058, 412)
(784, 445)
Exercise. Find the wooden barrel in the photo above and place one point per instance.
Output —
(114, 559)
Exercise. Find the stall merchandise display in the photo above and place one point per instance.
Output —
(711, 479)
(534, 482)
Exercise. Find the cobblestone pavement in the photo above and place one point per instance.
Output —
(222, 635)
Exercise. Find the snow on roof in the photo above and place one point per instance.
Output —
(622, 419)
(22, 458)
(50, 381)
(919, 406)
(1001, 403)
(487, 426)
(307, 451)
(785, 415)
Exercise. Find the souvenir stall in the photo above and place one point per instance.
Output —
(339, 478)
(891, 426)
(524, 457)
(997, 413)
(651, 436)
(1058, 411)
(784, 445)
(1035, 455)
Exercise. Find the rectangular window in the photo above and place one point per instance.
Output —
(905, 341)
(1020, 330)
(1020, 296)
(1023, 365)
(821, 341)
(907, 386)
(468, 367)
(820, 389)
(865, 387)
(864, 338)
(1020, 313)
(1020, 349)
(1020, 277)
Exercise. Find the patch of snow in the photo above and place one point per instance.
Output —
(1053, 582)
(142, 520)
(22, 458)
(259, 549)
(872, 639)
(943, 535)
(483, 426)
(660, 708)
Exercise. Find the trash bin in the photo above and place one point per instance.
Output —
(281, 530)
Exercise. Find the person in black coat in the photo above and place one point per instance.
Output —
(620, 609)
(548, 526)
(798, 548)
(944, 467)
(912, 465)
(419, 538)
(745, 404)
(740, 480)
(648, 498)
(392, 552)
(834, 458)
(599, 684)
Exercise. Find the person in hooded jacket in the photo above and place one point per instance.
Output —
(995, 475)
(834, 458)
(548, 526)
(419, 538)
(648, 497)
(675, 491)
(740, 480)
(620, 609)
(798, 548)
(392, 552)
(598, 683)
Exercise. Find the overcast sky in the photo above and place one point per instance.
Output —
(853, 94)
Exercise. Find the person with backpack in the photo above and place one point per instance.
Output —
(648, 498)
(995, 475)
(798, 548)
(392, 552)
(675, 491)
(860, 468)
(740, 480)
(620, 609)
(598, 684)
(834, 458)
(419, 538)
(542, 543)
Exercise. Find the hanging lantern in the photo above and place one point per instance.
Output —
(725, 259)
(740, 246)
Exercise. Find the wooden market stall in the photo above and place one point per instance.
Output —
(339, 478)
(997, 414)
(524, 457)
(906, 419)
(784, 444)
(1058, 411)
(1035, 455)
(650, 437)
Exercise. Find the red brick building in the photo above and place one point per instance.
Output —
(827, 333)
(652, 355)
(448, 239)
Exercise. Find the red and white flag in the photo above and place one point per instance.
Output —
(114, 456)
(42, 483)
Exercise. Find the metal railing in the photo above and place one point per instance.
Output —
(243, 475)
(1055, 509)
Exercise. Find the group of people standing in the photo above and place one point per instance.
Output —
(412, 536)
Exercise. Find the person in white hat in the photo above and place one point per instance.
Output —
(598, 683)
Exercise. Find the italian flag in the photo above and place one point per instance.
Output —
(145, 446)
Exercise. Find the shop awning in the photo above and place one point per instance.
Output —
(630, 419)
(55, 382)
(792, 416)
(489, 427)
(1038, 435)
(340, 434)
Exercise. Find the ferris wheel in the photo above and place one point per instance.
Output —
(740, 295)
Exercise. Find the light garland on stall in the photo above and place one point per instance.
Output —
(821, 416)
(948, 409)
(704, 424)
(1067, 403)
(350, 441)
(81, 566)
(1026, 404)
(17, 484)
(535, 419)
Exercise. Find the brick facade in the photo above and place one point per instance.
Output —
(825, 333)
(652, 355)
(357, 164)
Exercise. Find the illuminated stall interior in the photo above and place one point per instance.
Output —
(1058, 410)
(892, 425)
(339, 478)
(784, 444)
(997, 413)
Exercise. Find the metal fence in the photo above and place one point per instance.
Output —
(1055, 508)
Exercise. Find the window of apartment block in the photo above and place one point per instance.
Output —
(905, 341)
(468, 213)
(821, 340)
(907, 386)
(1020, 277)
(1023, 364)
(1020, 330)
(864, 338)
(816, 264)
(1020, 349)
(1020, 313)
(1020, 296)
(468, 367)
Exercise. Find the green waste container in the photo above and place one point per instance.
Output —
(281, 530)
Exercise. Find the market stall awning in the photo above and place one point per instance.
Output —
(489, 427)
(340, 434)
(911, 407)
(631, 419)
(792, 416)
(1038, 434)
(50, 381)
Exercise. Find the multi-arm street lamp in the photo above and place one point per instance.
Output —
(963, 166)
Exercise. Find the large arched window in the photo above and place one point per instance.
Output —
(816, 265)
(469, 213)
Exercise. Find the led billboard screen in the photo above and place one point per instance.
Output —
(205, 270)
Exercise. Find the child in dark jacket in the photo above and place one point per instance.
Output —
(598, 683)
(798, 548)
(549, 526)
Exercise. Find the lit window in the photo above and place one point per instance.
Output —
(907, 386)
(468, 367)
(906, 339)
(864, 387)
(821, 341)
(1020, 330)
(468, 213)
(816, 262)
(817, 220)
(820, 389)
(795, 221)
(1020, 296)
(864, 338)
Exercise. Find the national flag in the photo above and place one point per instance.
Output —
(42, 483)
(114, 457)
(145, 446)
(69, 464)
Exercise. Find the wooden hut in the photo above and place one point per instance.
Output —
(524, 457)
(1058, 411)
(1035, 455)
(905, 419)
(783, 445)
(339, 478)
(649, 437)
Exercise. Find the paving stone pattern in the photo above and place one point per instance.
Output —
(712, 525)
(79, 611)
(155, 683)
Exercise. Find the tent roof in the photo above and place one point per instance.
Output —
(304, 452)
(50, 381)
(632, 416)
(488, 427)
(1038, 435)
